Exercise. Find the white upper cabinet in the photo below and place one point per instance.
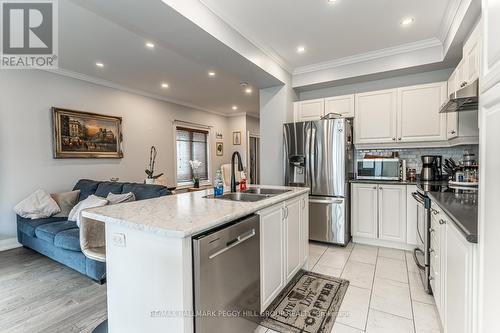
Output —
(342, 105)
(452, 117)
(376, 117)
(418, 113)
(491, 66)
(310, 110)
(472, 56)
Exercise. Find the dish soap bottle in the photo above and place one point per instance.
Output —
(243, 182)
(218, 184)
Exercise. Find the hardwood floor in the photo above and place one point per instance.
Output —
(41, 295)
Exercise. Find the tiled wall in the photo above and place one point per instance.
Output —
(412, 156)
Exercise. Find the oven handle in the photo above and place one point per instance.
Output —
(418, 198)
(416, 259)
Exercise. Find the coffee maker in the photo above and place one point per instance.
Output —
(431, 168)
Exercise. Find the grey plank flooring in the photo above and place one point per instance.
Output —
(41, 295)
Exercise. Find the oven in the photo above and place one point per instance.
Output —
(421, 252)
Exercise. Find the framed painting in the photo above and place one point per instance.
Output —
(219, 149)
(236, 138)
(80, 134)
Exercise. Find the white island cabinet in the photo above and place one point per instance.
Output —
(283, 246)
(149, 256)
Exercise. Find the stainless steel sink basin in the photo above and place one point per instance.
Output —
(239, 196)
(265, 191)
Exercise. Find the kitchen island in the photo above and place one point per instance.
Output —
(149, 256)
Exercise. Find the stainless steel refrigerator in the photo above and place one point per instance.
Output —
(320, 155)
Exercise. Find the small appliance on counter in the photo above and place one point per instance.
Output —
(379, 168)
(465, 174)
(431, 168)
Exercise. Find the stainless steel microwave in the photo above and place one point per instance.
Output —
(378, 168)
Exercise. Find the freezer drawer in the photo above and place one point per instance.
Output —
(328, 220)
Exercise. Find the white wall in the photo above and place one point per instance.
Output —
(237, 124)
(26, 136)
(394, 82)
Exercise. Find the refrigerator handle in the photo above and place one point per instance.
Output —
(312, 156)
(308, 155)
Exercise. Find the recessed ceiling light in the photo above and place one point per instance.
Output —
(301, 49)
(99, 64)
(235, 107)
(211, 73)
(150, 45)
(164, 85)
(407, 21)
(248, 90)
(332, 1)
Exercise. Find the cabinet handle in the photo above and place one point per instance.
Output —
(442, 221)
(431, 251)
(431, 230)
(453, 131)
(393, 139)
(374, 187)
(431, 278)
(435, 212)
(399, 139)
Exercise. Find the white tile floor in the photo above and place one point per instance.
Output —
(385, 293)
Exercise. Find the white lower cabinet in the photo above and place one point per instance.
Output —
(379, 212)
(452, 274)
(283, 245)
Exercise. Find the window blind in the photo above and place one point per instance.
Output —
(192, 144)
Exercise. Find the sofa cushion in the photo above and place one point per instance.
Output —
(87, 187)
(106, 188)
(68, 239)
(48, 231)
(144, 191)
(28, 226)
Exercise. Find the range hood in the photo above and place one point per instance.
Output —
(465, 99)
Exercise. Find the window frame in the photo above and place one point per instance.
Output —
(195, 127)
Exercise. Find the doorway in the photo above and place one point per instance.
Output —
(254, 158)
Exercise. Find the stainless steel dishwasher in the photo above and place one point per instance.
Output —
(226, 266)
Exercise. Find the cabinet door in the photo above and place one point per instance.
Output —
(364, 210)
(472, 55)
(459, 284)
(304, 228)
(272, 245)
(411, 215)
(418, 113)
(376, 117)
(343, 105)
(452, 83)
(392, 213)
(293, 238)
(313, 109)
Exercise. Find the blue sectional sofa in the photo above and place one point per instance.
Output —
(59, 239)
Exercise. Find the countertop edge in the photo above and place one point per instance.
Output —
(469, 237)
(164, 232)
(380, 181)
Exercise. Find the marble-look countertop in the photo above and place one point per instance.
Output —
(388, 182)
(186, 214)
(462, 209)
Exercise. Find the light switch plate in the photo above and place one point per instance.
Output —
(119, 239)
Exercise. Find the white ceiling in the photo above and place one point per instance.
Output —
(114, 32)
(331, 31)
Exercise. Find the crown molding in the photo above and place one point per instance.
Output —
(109, 84)
(263, 47)
(449, 18)
(368, 56)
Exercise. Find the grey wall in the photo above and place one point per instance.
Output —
(26, 135)
(398, 81)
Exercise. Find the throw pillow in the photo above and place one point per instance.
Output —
(120, 198)
(66, 201)
(92, 201)
(37, 206)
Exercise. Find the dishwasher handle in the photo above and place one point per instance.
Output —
(235, 242)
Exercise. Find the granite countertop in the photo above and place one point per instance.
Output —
(186, 214)
(462, 209)
(375, 181)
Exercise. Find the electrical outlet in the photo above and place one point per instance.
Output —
(119, 240)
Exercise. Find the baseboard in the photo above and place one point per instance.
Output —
(9, 244)
(383, 243)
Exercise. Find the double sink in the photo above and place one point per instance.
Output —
(250, 195)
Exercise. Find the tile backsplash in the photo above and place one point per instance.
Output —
(412, 155)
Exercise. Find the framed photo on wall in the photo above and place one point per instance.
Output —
(80, 134)
(236, 138)
(219, 148)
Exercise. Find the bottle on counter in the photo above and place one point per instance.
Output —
(218, 184)
(243, 182)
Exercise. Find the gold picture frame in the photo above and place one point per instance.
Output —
(219, 149)
(79, 134)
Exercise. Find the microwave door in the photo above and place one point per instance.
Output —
(327, 158)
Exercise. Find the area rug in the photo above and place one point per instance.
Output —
(309, 304)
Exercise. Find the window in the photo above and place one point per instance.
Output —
(192, 144)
